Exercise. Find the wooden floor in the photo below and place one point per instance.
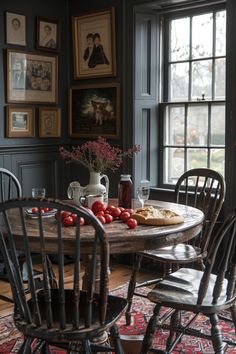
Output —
(120, 275)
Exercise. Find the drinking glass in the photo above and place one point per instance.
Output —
(143, 192)
(38, 192)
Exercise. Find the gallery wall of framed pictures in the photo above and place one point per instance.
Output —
(31, 78)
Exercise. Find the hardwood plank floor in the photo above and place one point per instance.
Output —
(120, 274)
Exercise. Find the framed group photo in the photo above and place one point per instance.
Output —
(31, 78)
(94, 110)
(48, 34)
(49, 122)
(94, 51)
(20, 122)
(15, 29)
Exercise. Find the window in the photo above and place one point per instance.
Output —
(194, 112)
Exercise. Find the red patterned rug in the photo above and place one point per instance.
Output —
(11, 339)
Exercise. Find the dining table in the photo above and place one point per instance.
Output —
(121, 238)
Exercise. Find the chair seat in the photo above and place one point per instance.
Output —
(181, 253)
(115, 308)
(180, 290)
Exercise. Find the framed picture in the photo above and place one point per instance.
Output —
(94, 44)
(31, 77)
(15, 29)
(95, 110)
(48, 36)
(49, 122)
(20, 122)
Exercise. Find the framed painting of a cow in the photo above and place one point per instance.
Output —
(94, 110)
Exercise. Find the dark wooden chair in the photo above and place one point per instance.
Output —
(9, 185)
(9, 188)
(201, 188)
(73, 319)
(205, 292)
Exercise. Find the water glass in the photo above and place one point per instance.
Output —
(38, 192)
(143, 192)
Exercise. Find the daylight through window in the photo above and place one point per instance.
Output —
(194, 111)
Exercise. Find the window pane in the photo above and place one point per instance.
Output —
(197, 125)
(220, 33)
(201, 79)
(196, 158)
(217, 160)
(179, 81)
(179, 46)
(202, 36)
(220, 78)
(174, 125)
(218, 125)
(174, 167)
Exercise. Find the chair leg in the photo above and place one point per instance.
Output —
(233, 314)
(151, 327)
(77, 347)
(174, 322)
(45, 348)
(131, 287)
(86, 348)
(216, 335)
(116, 340)
(26, 346)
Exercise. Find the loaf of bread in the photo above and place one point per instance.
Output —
(157, 216)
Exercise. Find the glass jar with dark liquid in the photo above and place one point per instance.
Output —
(125, 188)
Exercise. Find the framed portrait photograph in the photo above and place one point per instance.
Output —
(49, 122)
(95, 110)
(15, 29)
(20, 122)
(94, 51)
(48, 34)
(31, 77)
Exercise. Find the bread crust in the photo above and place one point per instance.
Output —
(157, 216)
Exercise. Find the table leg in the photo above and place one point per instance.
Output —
(103, 338)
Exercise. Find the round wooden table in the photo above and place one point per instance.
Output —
(121, 238)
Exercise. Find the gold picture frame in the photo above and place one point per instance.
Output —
(94, 50)
(31, 77)
(94, 110)
(49, 122)
(20, 122)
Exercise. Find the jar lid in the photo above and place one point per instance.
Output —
(125, 176)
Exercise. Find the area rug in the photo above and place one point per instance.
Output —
(11, 339)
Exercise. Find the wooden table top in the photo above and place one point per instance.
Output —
(121, 238)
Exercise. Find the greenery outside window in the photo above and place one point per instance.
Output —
(194, 111)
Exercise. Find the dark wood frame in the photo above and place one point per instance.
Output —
(26, 94)
(87, 125)
(10, 132)
(55, 130)
(7, 25)
(83, 25)
(51, 22)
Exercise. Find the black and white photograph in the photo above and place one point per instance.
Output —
(47, 34)
(19, 122)
(31, 77)
(15, 29)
